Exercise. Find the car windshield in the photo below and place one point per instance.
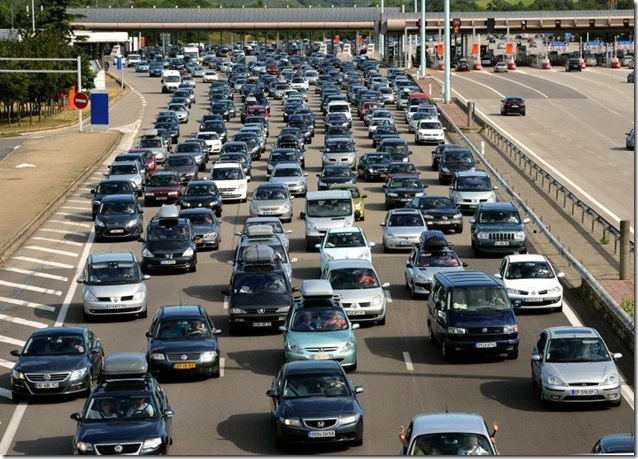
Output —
(163, 180)
(428, 203)
(529, 270)
(378, 159)
(457, 157)
(450, 444)
(255, 283)
(335, 147)
(232, 158)
(200, 190)
(405, 183)
(353, 278)
(233, 147)
(476, 183)
(563, 350)
(188, 148)
(315, 385)
(114, 188)
(181, 329)
(430, 125)
(167, 233)
(403, 168)
(62, 344)
(336, 172)
(117, 208)
(396, 148)
(287, 172)
(437, 259)
(123, 169)
(121, 408)
(226, 173)
(151, 143)
(202, 218)
(180, 161)
(499, 217)
(479, 299)
(208, 136)
(405, 220)
(329, 207)
(276, 226)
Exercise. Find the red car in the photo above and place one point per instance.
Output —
(254, 110)
(367, 105)
(151, 162)
(164, 187)
(401, 169)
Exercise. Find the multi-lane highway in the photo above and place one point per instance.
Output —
(402, 374)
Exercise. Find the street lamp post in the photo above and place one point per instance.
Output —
(32, 16)
(381, 34)
(423, 61)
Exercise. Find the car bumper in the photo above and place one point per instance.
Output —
(579, 394)
(284, 215)
(188, 367)
(118, 232)
(538, 302)
(489, 247)
(206, 242)
(257, 321)
(430, 138)
(345, 359)
(397, 244)
(365, 313)
(64, 387)
(496, 346)
(168, 263)
(301, 435)
(443, 225)
(107, 308)
(157, 199)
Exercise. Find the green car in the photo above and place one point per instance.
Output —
(357, 199)
(317, 327)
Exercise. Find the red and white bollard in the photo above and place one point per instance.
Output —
(477, 65)
(511, 65)
(547, 65)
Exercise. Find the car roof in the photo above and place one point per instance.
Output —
(329, 194)
(448, 422)
(525, 257)
(498, 205)
(349, 263)
(181, 310)
(196, 210)
(226, 165)
(572, 332)
(166, 172)
(345, 229)
(619, 442)
(471, 173)
(404, 211)
(58, 330)
(101, 257)
(311, 366)
(128, 197)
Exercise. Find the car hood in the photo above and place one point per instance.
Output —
(268, 203)
(439, 212)
(125, 176)
(499, 227)
(486, 318)
(321, 339)
(404, 190)
(182, 345)
(581, 372)
(115, 290)
(336, 179)
(429, 271)
(318, 407)
(115, 219)
(381, 165)
(414, 231)
(363, 295)
(260, 300)
(161, 189)
(168, 246)
(473, 194)
(50, 363)
(535, 285)
(346, 253)
(119, 431)
(284, 180)
(460, 166)
(182, 169)
(228, 183)
(200, 198)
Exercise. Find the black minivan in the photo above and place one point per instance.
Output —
(470, 312)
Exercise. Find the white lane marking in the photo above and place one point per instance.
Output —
(69, 214)
(388, 298)
(502, 95)
(64, 222)
(28, 323)
(225, 302)
(57, 252)
(9, 340)
(408, 361)
(50, 230)
(46, 263)
(27, 304)
(31, 288)
(75, 208)
(57, 241)
(37, 274)
(12, 427)
(79, 201)
(222, 366)
(7, 364)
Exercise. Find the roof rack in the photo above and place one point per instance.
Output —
(260, 231)
(124, 365)
(259, 254)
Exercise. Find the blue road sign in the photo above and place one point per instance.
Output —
(568, 36)
(118, 62)
(99, 110)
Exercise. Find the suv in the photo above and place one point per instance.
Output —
(470, 312)
(170, 242)
(113, 284)
(497, 227)
(259, 294)
(126, 413)
(468, 188)
(182, 339)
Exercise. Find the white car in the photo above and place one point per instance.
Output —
(531, 280)
(210, 76)
(429, 131)
(344, 243)
(230, 180)
(299, 83)
(213, 142)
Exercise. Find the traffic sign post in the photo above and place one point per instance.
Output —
(80, 100)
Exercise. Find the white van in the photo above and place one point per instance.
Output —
(170, 80)
(340, 106)
(324, 210)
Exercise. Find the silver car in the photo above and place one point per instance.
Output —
(424, 262)
(271, 199)
(291, 175)
(468, 188)
(113, 284)
(574, 365)
(274, 222)
(402, 229)
(357, 284)
(129, 170)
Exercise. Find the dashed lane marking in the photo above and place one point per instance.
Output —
(27, 304)
(31, 288)
(53, 264)
(37, 274)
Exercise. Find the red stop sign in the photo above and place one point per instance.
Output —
(81, 100)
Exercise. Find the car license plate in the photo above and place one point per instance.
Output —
(405, 243)
(486, 345)
(502, 243)
(355, 312)
(47, 385)
(167, 262)
(117, 231)
(262, 324)
(271, 213)
(161, 198)
(116, 306)
(445, 222)
(584, 392)
(533, 299)
(184, 366)
(383, 175)
(321, 356)
(321, 434)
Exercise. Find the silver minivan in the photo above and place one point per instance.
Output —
(324, 210)
(339, 150)
(468, 188)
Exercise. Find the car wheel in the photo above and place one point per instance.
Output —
(309, 247)
(87, 317)
(193, 268)
(382, 321)
(413, 295)
(215, 374)
(523, 113)
(558, 309)
(431, 338)
(502, 113)
(280, 444)
(353, 367)
(513, 354)
(143, 314)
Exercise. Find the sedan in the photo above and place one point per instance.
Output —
(57, 361)
(531, 280)
(205, 227)
(402, 189)
(500, 67)
(335, 173)
(439, 212)
(513, 104)
(373, 166)
(402, 229)
(314, 403)
(574, 365)
(344, 243)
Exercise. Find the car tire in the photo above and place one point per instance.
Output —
(381, 321)
(192, 268)
(353, 367)
(143, 314)
(413, 295)
(280, 444)
(358, 442)
(558, 309)
(431, 337)
(523, 113)
(215, 374)
(513, 355)
(309, 247)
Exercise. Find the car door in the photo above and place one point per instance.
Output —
(437, 316)
(410, 264)
(95, 353)
(537, 365)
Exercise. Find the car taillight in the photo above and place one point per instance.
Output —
(522, 104)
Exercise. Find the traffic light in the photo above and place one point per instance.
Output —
(491, 25)
(456, 25)
(557, 24)
(524, 25)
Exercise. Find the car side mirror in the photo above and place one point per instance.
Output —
(363, 196)
(148, 334)
(536, 358)
(76, 417)
(226, 292)
(382, 224)
(372, 244)
(80, 280)
(356, 325)
(271, 393)
(317, 246)
(15, 353)
(92, 191)
(527, 220)
(464, 264)
(472, 220)
(408, 264)
(385, 285)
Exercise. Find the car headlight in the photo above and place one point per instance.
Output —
(210, 235)
(392, 195)
(293, 347)
(237, 311)
(390, 236)
(445, 170)
(132, 223)
(610, 379)
(510, 329)
(283, 309)
(17, 374)
(151, 443)
(322, 183)
(349, 346)
(302, 183)
(555, 381)
(157, 356)
(349, 419)
(141, 293)
(78, 374)
(555, 290)
(99, 223)
(458, 216)
(377, 301)
(290, 422)
(310, 227)
(456, 331)
(172, 193)
(325, 159)
(84, 446)
(519, 235)
(189, 252)
(209, 356)
(482, 235)
(513, 291)
(418, 194)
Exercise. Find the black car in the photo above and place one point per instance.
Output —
(573, 64)
(127, 413)
(298, 121)
(373, 165)
(107, 187)
(184, 164)
(455, 160)
(438, 152)
(439, 212)
(170, 242)
(384, 132)
(252, 141)
(462, 65)
(171, 128)
(118, 217)
(202, 193)
(182, 340)
(260, 294)
(315, 403)
(57, 361)
(498, 228)
(196, 148)
(397, 147)
(335, 173)
(220, 108)
(283, 155)
(616, 444)
(513, 104)
(400, 190)
(336, 119)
